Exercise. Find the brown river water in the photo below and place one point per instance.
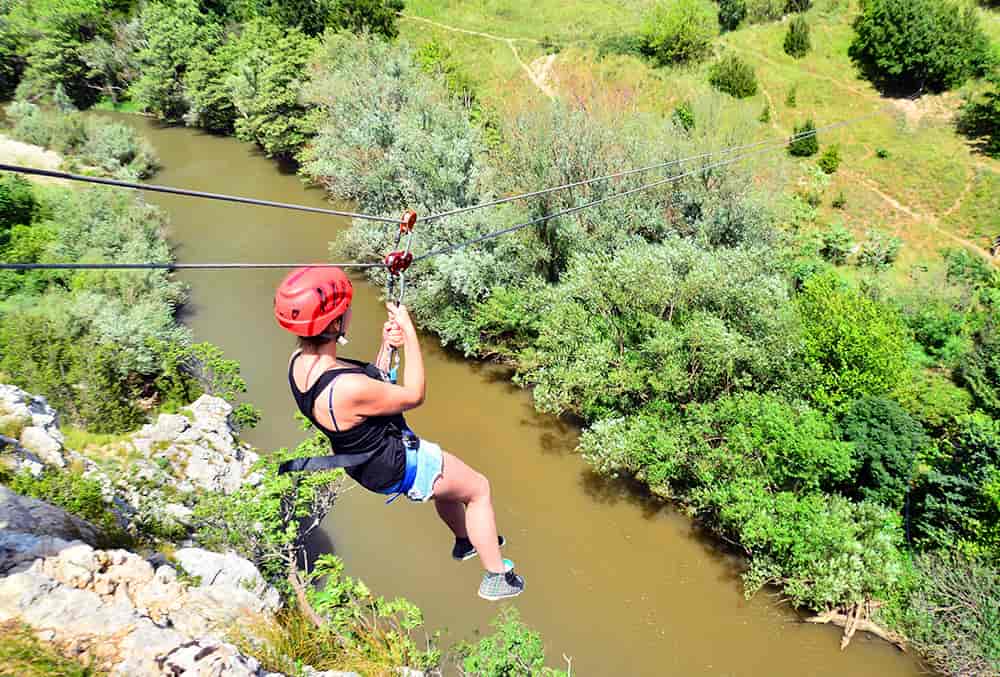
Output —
(622, 584)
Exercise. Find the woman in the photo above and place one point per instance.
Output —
(362, 415)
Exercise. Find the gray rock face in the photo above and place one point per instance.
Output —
(229, 570)
(33, 423)
(20, 514)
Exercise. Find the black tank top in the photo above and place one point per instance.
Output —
(379, 434)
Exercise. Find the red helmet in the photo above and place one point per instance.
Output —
(310, 298)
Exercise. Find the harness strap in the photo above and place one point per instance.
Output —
(320, 463)
(405, 484)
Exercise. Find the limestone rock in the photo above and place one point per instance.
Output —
(38, 440)
(18, 550)
(230, 570)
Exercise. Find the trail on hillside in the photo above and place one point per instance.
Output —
(538, 78)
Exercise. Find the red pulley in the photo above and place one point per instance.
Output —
(397, 262)
(407, 221)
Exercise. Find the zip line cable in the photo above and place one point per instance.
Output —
(177, 266)
(606, 198)
(640, 170)
(153, 188)
(768, 146)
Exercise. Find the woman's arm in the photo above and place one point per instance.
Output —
(374, 398)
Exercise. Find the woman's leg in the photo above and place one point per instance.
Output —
(452, 513)
(460, 483)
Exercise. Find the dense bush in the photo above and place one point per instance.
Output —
(113, 147)
(880, 250)
(805, 141)
(854, 346)
(513, 649)
(759, 11)
(829, 161)
(76, 494)
(797, 41)
(680, 31)
(979, 369)
(980, 119)
(732, 75)
(888, 444)
(731, 14)
(11, 59)
(911, 45)
(837, 244)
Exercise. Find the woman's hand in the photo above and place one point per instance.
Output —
(392, 334)
(401, 317)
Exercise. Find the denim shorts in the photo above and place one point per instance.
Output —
(430, 463)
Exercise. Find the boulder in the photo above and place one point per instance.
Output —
(41, 442)
(31, 516)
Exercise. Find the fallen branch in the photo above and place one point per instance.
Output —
(852, 622)
(300, 595)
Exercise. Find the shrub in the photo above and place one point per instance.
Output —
(76, 495)
(733, 76)
(829, 161)
(952, 613)
(513, 649)
(798, 5)
(840, 201)
(797, 42)
(958, 502)
(836, 244)
(792, 97)
(979, 368)
(882, 153)
(17, 204)
(888, 443)
(907, 45)
(683, 116)
(854, 346)
(116, 148)
(979, 119)
(805, 141)
(759, 11)
(765, 113)
(679, 31)
(880, 250)
(731, 14)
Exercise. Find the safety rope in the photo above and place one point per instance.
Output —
(189, 193)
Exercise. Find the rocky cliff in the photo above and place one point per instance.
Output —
(122, 612)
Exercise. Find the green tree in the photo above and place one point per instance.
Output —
(208, 91)
(11, 60)
(829, 161)
(797, 41)
(979, 119)
(804, 142)
(680, 31)
(888, 443)
(266, 85)
(837, 244)
(171, 33)
(854, 346)
(911, 45)
(979, 369)
(731, 14)
(54, 35)
(733, 76)
(112, 59)
(377, 17)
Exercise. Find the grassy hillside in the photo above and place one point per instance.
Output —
(905, 170)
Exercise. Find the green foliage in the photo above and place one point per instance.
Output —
(113, 147)
(805, 141)
(266, 84)
(953, 613)
(683, 116)
(840, 201)
(513, 649)
(837, 244)
(882, 153)
(731, 14)
(760, 11)
(797, 43)
(733, 76)
(207, 89)
(887, 446)
(880, 250)
(680, 31)
(979, 119)
(53, 35)
(935, 401)
(911, 45)
(765, 113)
(958, 502)
(11, 59)
(979, 369)
(792, 97)
(171, 33)
(829, 161)
(75, 494)
(376, 17)
(853, 346)
(18, 205)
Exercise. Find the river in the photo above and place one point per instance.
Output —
(621, 584)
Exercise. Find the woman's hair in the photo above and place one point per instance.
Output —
(331, 333)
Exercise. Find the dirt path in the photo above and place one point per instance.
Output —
(538, 75)
(27, 155)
